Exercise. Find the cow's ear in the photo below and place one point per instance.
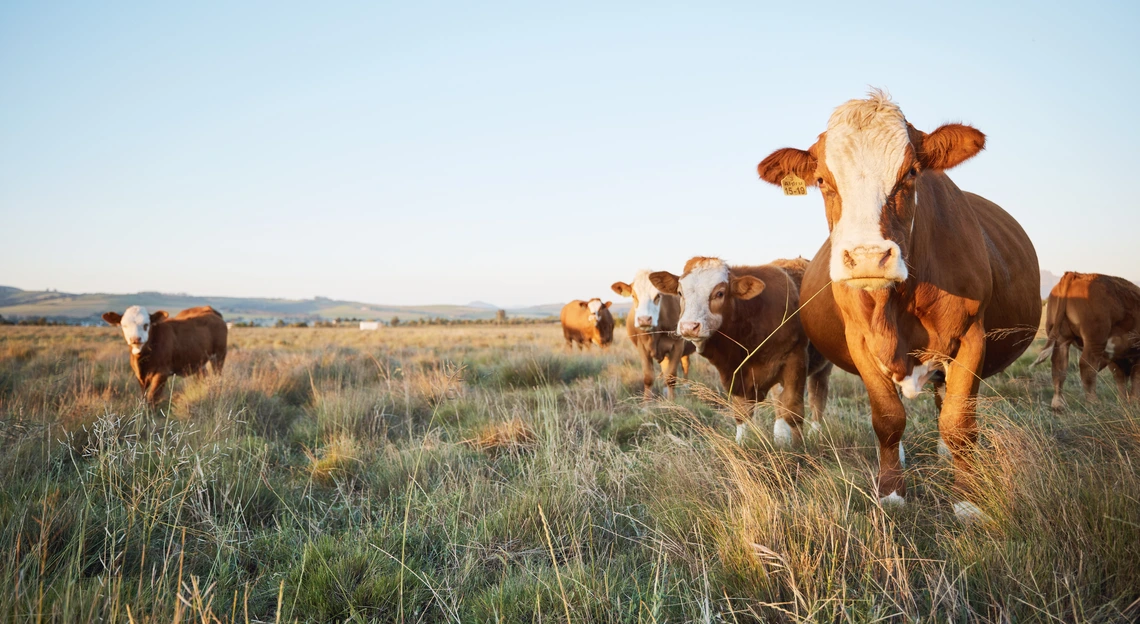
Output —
(158, 317)
(949, 146)
(584, 305)
(787, 160)
(622, 289)
(608, 304)
(112, 318)
(746, 287)
(665, 281)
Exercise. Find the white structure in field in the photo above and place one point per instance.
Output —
(369, 325)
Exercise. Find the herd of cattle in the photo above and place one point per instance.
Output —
(918, 282)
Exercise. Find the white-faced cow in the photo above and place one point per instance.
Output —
(587, 322)
(923, 276)
(652, 328)
(1100, 315)
(742, 319)
(162, 346)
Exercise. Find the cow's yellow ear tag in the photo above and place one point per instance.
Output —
(793, 185)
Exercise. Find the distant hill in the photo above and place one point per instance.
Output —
(16, 303)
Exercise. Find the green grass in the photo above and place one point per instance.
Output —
(482, 474)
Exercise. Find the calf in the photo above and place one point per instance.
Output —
(1100, 315)
(652, 327)
(587, 322)
(743, 320)
(162, 346)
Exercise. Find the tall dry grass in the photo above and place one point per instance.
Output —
(485, 474)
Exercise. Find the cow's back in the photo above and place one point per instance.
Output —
(198, 336)
(1092, 304)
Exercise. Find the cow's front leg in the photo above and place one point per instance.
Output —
(647, 374)
(154, 388)
(787, 428)
(957, 423)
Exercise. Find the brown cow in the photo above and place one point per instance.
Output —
(161, 346)
(916, 275)
(652, 326)
(587, 322)
(742, 319)
(1100, 315)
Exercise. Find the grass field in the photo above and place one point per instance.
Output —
(483, 474)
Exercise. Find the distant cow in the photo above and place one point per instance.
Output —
(731, 313)
(162, 346)
(587, 322)
(916, 276)
(1100, 315)
(652, 328)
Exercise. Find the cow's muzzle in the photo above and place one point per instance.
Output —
(870, 267)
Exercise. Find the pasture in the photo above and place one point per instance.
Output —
(483, 474)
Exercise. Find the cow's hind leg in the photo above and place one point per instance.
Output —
(1060, 364)
(1091, 362)
(685, 365)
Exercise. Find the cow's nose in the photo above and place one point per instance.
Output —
(871, 258)
(690, 329)
(644, 321)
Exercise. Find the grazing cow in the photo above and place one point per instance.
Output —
(1100, 315)
(652, 326)
(162, 346)
(742, 319)
(917, 276)
(587, 322)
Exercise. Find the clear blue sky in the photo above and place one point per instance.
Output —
(441, 153)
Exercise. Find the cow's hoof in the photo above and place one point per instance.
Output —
(893, 500)
(969, 513)
(782, 435)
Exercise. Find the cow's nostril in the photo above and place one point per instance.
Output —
(848, 260)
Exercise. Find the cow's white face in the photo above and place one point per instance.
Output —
(594, 305)
(867, 148)
(646, 302)
(703, 290)
(136, 327)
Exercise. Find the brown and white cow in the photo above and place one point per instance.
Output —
(162, 346)
(1100, 315)
(743, 320)
(586, 323)
(652, 328)
(916, 276)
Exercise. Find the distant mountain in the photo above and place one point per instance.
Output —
(1048, 281)
(16, 303)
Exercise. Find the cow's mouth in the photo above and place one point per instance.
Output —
(871, 283)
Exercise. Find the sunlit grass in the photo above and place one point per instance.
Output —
(485, 474)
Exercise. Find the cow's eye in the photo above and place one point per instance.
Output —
(912, 173)
(657, 299)
(719, 294)
(819, 182)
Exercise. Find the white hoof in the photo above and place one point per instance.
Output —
(902, 455)
(1058, 403)
(944, 451)
(782, 433)
(892, 500)
(740, 434)
(969, 513)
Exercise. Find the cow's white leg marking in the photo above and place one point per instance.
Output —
(944, 450)
(969, 513)
(893, 499)
(782, 433)
(740, 433)
(902, 455)
(912, 384)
